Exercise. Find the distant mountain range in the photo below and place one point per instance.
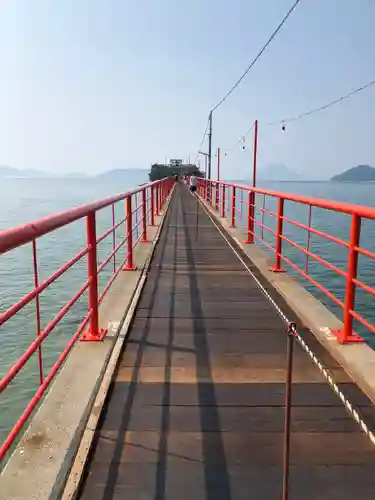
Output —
(16, 173)
(119, 173)
(273, 172)
(360, 173)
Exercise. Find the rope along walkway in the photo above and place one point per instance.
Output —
(196, 406)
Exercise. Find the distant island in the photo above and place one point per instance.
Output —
(174, 167)
(360, 173)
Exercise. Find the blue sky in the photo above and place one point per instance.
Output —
(90, 85)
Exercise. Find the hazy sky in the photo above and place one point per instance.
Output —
(95, 84)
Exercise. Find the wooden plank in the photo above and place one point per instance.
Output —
(196, 407)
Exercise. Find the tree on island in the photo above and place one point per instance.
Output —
(160, 171)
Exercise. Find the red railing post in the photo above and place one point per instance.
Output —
(347, 334)
(37, 307)
(129, 266)
(308, 240)
(255, 153)
(93, 333)
(136, 213)
(157, 207)
(152, 207)
(144, 217)
(250, 218)
(241, 204)
(223, 200)
(262, 221)
(217, 196)
(279, 231)
(233, 207)
(218, 164)
(114, 237)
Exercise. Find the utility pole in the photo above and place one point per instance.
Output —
(209, 145)
(255, 153)
(218, 164)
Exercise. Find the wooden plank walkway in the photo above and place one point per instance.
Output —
(196, 407)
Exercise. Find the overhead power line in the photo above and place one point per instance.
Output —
(325, 106)
(308, 113)
(240, 139)
(204, 134)
(257, 57)
(203, 138)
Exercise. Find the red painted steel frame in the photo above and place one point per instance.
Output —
(356, 212)
(153, 195)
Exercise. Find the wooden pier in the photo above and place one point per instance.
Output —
(196, 408)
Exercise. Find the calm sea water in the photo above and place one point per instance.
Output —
(24, 200)
(334, 224)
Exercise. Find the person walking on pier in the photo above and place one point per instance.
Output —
(193, 183)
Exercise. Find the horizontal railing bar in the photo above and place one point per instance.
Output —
(269, 212)
(254, 217)
(110, 282)
(314, 282)
(4, 382)
(365, 252)
(110, 230)
(110, 256)
(267, 245)
(41, 390)
(362, 320)
(5, 316)
(336, 206)
(151, 202)
(364, 286)
(15, 237)
(270, 230)
(316, 257)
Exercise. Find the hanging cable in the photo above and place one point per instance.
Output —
(242, 138)
(202, 141)
(257, 57)
(321, 108)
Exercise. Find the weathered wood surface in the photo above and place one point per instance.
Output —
(196, 407)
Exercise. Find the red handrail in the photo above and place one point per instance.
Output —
(276, 231)
(152, 198)
(336, 206)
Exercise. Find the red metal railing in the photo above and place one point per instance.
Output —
(141, 207)
(246, 207)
